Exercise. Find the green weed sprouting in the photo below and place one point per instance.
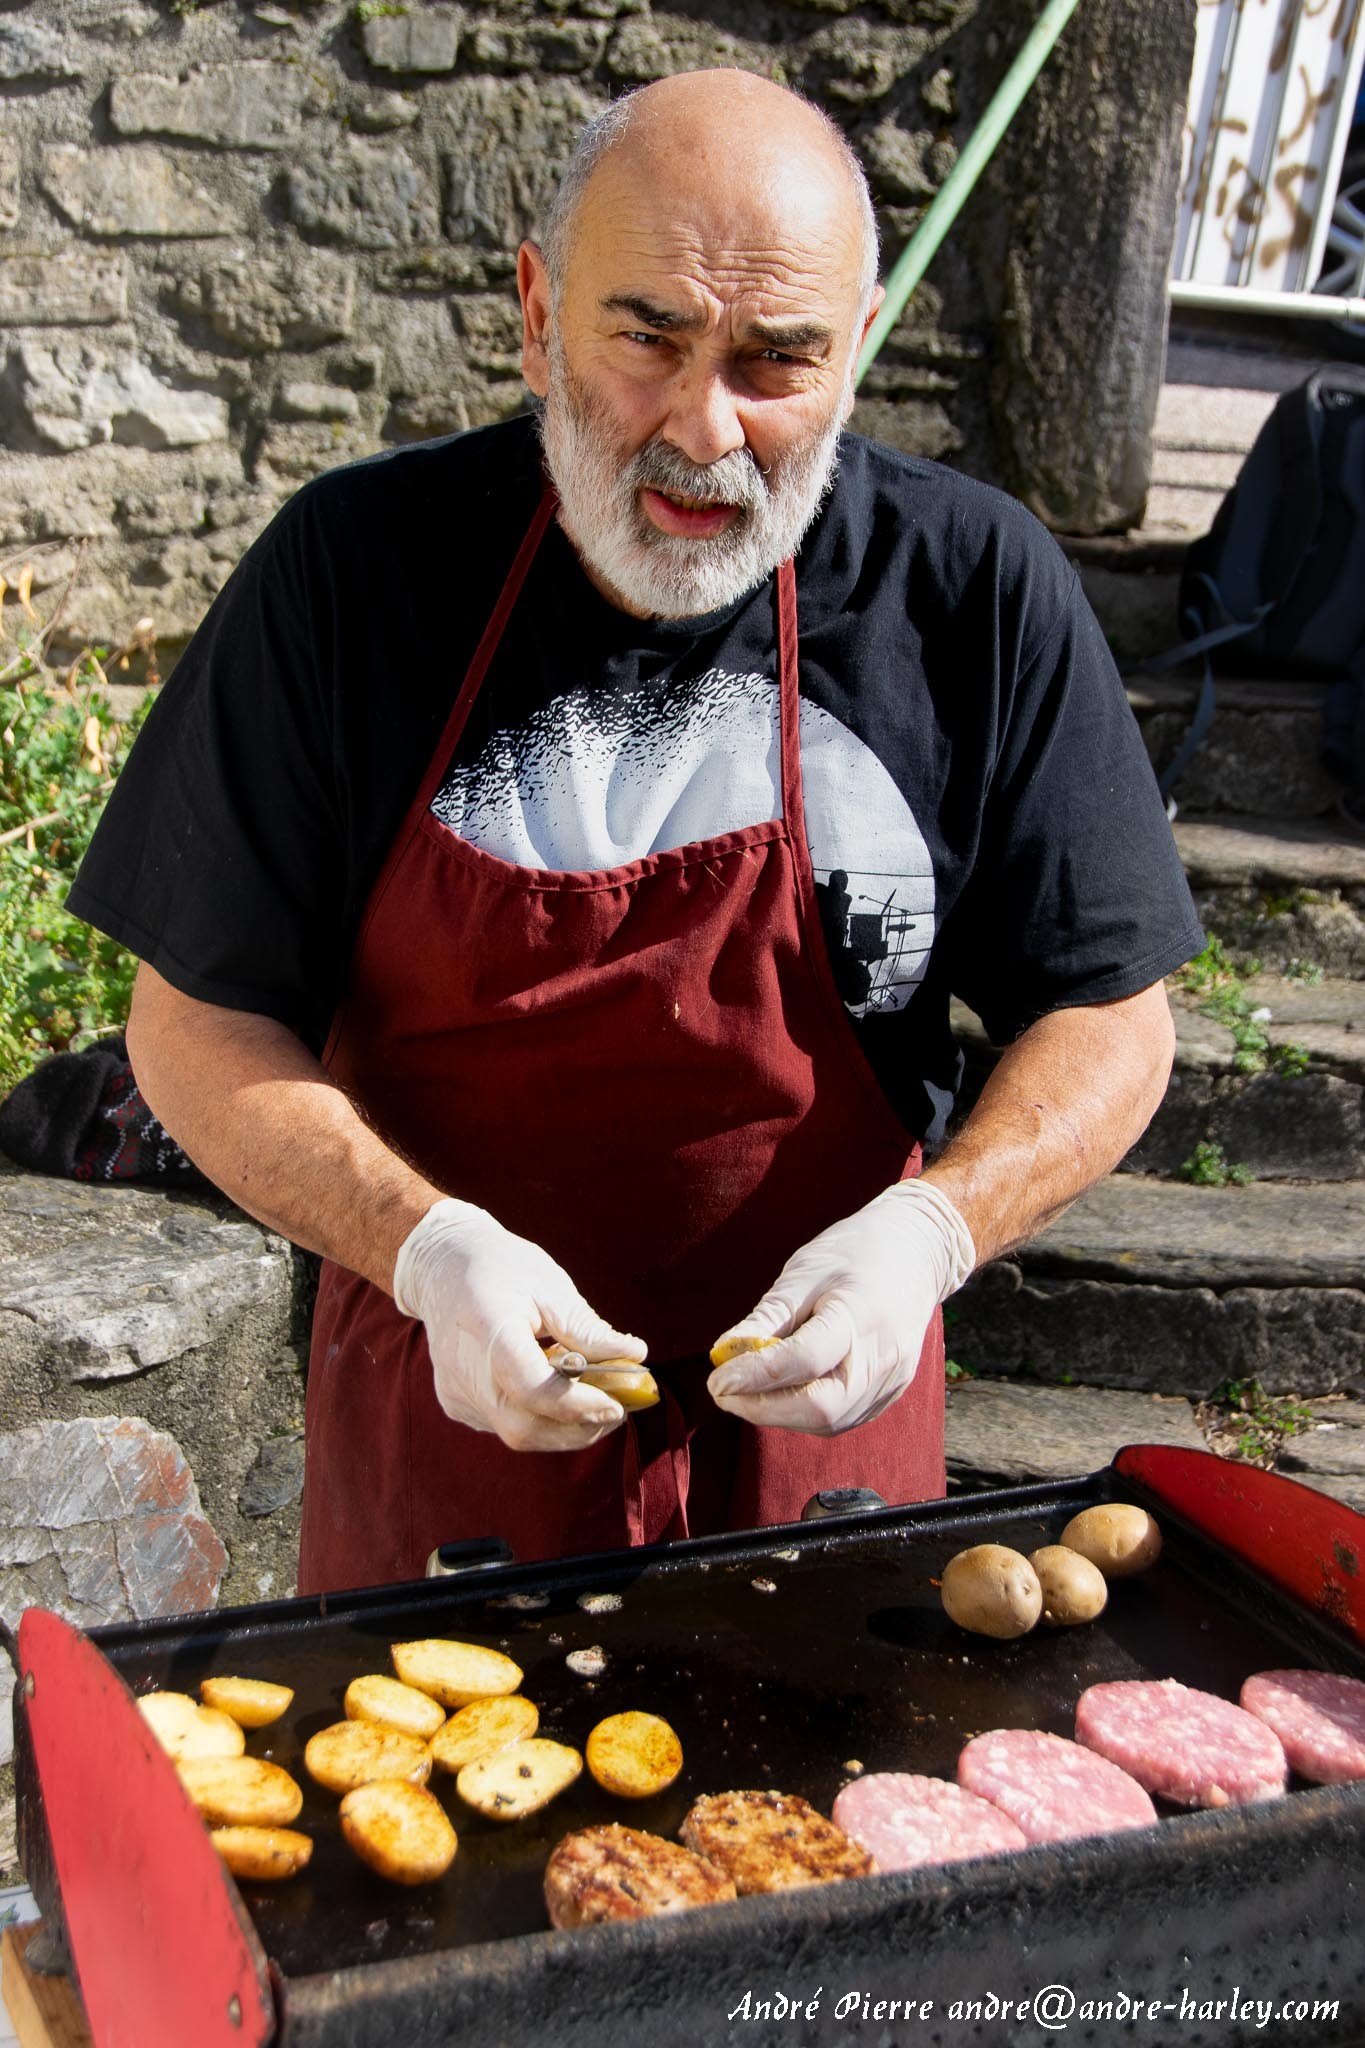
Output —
(61, 747)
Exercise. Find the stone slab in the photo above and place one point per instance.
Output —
(364, 194)
(1218, 417)
(235, 106)
(10, 205)
(1171, 1340)
(29, 50)
(1131, 1227)
(72, 394)
(428, 41)
(1006, 1433)
(508, 140)
(297, 298)
(1335, 1444)
(72, 288)
(132, 191)
(1268, 853)
(184, 1266)
(1186, 468)
(100, 1519)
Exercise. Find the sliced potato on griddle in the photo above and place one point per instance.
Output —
(240, 1791)
(393, 1705)
(262, 1855)
(634, 1755)
(481, 1728)
(252, 1702)
(185, 1729)
(455, 1673)
(400, 1830)
(351, 1753)
(519, 1779)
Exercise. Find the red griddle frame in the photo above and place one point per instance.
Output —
(164, 1952)
(1305, 1542)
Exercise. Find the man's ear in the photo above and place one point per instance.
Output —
(533, 284)
(874, 307)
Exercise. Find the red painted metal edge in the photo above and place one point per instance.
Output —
(164, 1951)
(1306, 1542)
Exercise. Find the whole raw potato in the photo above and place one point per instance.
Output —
(1074, 1590)
(1120, 1539)
(993, 1591)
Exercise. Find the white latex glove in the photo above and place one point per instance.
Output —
(851, 1309)
(485, 1296)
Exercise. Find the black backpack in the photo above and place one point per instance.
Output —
(1277, 586)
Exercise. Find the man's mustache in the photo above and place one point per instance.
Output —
(733, 479)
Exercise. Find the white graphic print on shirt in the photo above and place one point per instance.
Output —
(597, 779)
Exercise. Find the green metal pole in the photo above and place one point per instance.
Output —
(923, 246)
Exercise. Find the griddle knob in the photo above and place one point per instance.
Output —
(841, 1500)
(477, 1553)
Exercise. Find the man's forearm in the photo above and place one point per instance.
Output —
(1064, 1104)
(262, 1118)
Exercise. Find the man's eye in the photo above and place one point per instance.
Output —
(647, 339)
(775, 355)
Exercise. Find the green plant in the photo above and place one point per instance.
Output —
(1206, 1167)
(1307, 971)
(61, 746)
(1289, 1059)
(374, 10)
(1259, 1422)
(953, 1371)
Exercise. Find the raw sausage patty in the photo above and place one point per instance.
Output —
(1189, 1746)
(904, 1821)
(1052, 1789)
(616, 1873)
(770, 1841)
(1319, 1718)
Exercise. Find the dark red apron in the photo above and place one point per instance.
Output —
(648, 1071)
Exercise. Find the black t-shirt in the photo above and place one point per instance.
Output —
(981, 814)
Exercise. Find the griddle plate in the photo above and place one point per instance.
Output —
(776, 1670)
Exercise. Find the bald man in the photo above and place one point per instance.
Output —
(552, 860)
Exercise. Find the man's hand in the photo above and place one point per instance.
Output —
(850, 1310)
(485, 1297)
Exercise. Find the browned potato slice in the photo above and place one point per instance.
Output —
(262, 1854)
(634, 1755)
(455, 1673)
(240, 1791)
(185, 1729)
(351, 1753)
(252, 1702)
(393, 1705)
(519, 1779)
(481, 1728)
(399, 1830)
(735, 1347)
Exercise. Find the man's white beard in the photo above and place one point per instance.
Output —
(663, 575)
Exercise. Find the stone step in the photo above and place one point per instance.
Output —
(1013, 1432)
(1279, 890)
(1167, 1288)
(1298, 1113)
(1260, 756)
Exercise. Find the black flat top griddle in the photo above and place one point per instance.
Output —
(783, 1659)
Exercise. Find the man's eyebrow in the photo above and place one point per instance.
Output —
(649, 315)
(794, 337)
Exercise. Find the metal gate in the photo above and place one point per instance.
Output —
(1272, 97)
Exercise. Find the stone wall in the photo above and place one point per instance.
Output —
(241, 243)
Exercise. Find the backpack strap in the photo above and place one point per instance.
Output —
(1201, 645)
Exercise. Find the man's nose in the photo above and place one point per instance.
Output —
(703, 422)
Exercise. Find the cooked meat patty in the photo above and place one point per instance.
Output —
(616, 1873)
(770, 1841)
